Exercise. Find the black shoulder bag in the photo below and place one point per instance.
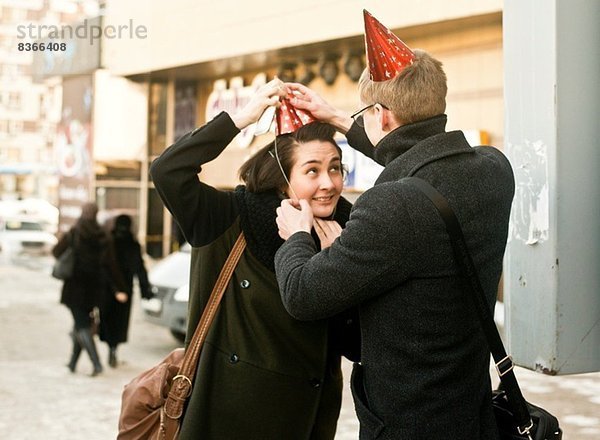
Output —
(516, 418)
(64, 266)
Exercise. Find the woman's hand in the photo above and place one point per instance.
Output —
(264, 97)
(121, 297)
(328, 231)
(292, 219)
(309, 100)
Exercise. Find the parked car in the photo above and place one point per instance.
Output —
(38, 210)
(24, 236)
(169, 279)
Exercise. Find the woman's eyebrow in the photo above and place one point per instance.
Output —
(311, 162)
(337, 158)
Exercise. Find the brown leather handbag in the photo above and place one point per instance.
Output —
(152, 403)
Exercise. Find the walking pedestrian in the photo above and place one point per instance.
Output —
(424, 371)
(262, 374)
(84, 291)
(128, 261)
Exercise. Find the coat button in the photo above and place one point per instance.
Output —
(234, 359)
(244, 284)
(315, 383)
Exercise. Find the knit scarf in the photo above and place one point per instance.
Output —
(257, 216)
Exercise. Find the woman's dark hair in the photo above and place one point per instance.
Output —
(122, 227)
(122, 223)
(262, 173)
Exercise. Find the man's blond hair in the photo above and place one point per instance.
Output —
(416, 93)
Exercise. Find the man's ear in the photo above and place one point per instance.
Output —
(387, 120)
(383, 119)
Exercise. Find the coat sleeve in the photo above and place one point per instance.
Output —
(62, 244)
(115, 281)
(141, 273)
(357, 139)
(374, 254)
(201, 211)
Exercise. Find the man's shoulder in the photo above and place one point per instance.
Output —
(497, 165)
(492, 153)
(386, 199)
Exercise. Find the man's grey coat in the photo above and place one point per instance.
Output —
(425, 361)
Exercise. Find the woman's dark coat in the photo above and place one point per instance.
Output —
(425, 360)
(262, 375)
(86, 289)
(127, 264)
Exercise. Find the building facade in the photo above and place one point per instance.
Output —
(30, 110)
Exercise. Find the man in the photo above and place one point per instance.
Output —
(425, 360)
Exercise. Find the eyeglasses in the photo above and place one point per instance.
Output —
(358, 116)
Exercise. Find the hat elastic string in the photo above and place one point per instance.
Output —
(283, 172)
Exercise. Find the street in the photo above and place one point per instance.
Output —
(41, 399)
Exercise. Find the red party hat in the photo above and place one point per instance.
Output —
(387, 55)
(289, 118)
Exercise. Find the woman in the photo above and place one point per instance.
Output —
(86, 288)
(262, 374)
(114, 315)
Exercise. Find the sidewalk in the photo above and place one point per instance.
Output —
(40, 399)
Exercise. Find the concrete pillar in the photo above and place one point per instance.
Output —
(552, 114)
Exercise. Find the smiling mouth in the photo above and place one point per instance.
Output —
(323, 199)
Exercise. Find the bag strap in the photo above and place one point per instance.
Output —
(504, 363)
(181, 386)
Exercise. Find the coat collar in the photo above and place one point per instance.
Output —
(410, 147)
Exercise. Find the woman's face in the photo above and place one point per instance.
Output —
(317, 177)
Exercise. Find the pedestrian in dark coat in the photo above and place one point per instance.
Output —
(85, 290)
(262, 375)
(114, 314)
(424, 372)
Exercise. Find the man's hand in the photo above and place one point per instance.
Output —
(292, 219)
(306, 99)
(121, 297)
(328, 231)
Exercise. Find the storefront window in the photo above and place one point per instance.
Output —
(154, 238)
(185, 108)
(114, 201)
(158, 118)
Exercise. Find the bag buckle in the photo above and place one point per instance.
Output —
(505, 366)
(526, 429)
(184, 387)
